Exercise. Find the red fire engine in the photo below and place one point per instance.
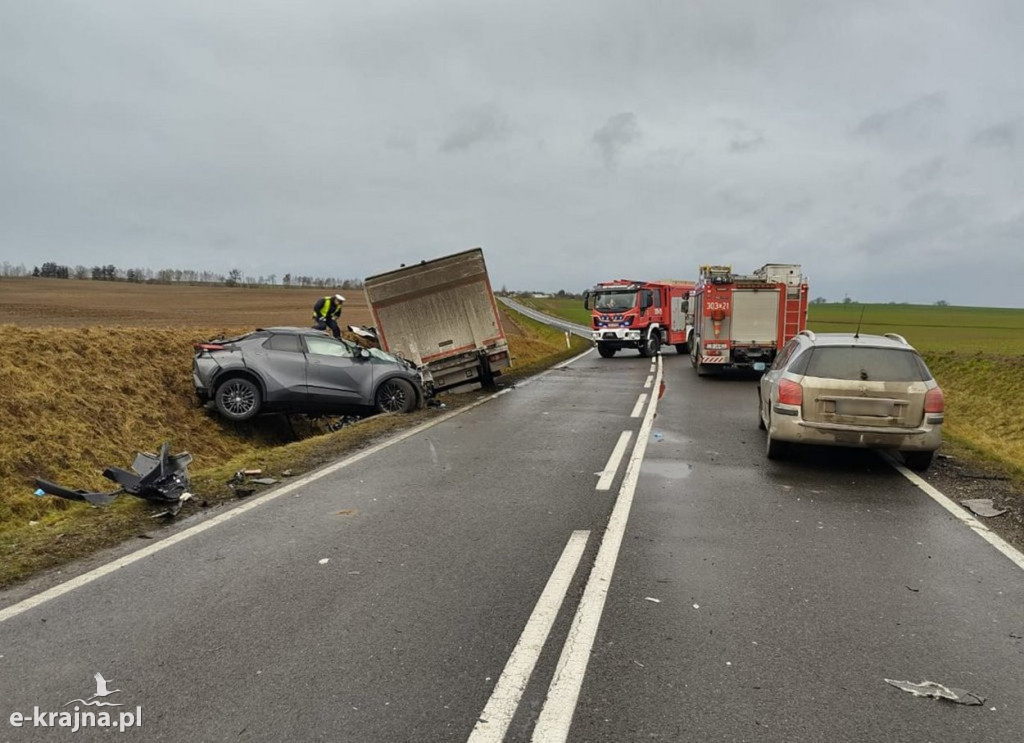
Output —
(644, 315)
(741, 322)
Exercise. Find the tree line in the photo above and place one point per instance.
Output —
(110, 272)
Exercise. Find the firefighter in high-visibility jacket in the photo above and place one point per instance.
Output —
(326, 312)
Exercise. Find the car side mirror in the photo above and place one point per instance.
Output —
(586, 300)
(362, 353)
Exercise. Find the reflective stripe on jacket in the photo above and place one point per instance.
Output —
(327, 307)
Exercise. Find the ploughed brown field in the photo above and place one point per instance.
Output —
(67, 302)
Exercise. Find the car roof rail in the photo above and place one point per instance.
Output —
(808, 333)
(897, 337)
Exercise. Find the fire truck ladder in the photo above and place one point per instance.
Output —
(791, 321)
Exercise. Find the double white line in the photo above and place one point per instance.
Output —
(560, 704)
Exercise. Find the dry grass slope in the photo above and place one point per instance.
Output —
(78, 399)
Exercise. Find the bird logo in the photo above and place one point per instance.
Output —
(101, 691)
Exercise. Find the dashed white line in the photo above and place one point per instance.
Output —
(556, 716)
(647, 384)
(960, 514)
(608, 473)
(501, 707)
(639, 406)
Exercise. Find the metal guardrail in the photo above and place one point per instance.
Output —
(581, 330)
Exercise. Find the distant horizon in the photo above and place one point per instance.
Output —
(497, 290)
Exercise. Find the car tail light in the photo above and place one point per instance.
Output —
(208, 347)
(934, 401)
(790, 393)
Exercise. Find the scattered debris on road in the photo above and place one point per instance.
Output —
(160, 478)
(938, 691)
(325, 560)
(653, 600)
(983, 507)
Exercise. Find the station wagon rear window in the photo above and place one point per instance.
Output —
(862, 363)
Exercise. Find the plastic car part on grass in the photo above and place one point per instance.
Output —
(160, 478)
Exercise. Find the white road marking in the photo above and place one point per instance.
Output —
(639, 406)
(59, 590)
(86, 578)
(959, 513)
(501, 707)
(608, 474)
(564, 364)
(556, 715)
(647, 384)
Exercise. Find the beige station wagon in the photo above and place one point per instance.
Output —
(852, 389)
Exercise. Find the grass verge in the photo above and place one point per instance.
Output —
(87, 399)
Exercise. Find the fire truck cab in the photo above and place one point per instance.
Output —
(741, 322)
(644, 315)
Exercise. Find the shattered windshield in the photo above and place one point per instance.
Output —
(382, 355)
(614, 301)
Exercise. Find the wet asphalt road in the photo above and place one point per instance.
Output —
(750, 601)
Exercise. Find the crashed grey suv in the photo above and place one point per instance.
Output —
(299, 370)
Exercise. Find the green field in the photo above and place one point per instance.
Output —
(929, 328)
(569, 308)
(975, 353)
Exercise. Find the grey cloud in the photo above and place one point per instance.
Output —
(742, 136)
(795, 131)
(1004, 135)
(620, 131)
(912, 115)
(924, 174)
(747, 143)
(485, 124)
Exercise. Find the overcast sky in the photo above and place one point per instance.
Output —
(879, 143)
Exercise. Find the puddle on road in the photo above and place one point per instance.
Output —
(669, 437)
(669, 469)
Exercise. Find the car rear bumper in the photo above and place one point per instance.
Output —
(202, 392)
(794, 429)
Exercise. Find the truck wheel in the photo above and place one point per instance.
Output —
(650, 345)
(606, 351)
(486, 375)
(702, 369)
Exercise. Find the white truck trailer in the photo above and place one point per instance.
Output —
(442, 316)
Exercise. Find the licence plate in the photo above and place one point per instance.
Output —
(865, 407)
